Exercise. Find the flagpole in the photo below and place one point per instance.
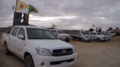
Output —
(28, 14)
(16, 5)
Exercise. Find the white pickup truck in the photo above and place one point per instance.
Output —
(83, 36)
(38, 47)
(99, 36)
(61, 34)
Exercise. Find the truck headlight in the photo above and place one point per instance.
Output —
(42, 51)
(74, 50)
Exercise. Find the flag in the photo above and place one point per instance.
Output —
(26, 16)
(13, 7)
(99, 27)
(32, 9)
(20, 5)
(93, 25)
(53, 25)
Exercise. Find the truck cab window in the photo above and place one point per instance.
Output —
(21, 32)
(14, 32)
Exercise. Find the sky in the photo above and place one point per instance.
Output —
(66, 14)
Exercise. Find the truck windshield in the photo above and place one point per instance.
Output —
(88, 33)
(35, 33)
(62, 32)
(99, 33)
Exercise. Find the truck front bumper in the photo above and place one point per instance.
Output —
(65, 38)
(88, 39)
(103, 39)
(53, 61)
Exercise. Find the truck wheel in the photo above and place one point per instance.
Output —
(73, 38)
(29, 61)
(67, 40)
(98, 39)
(6, 51)
(82, 39)
(104, 41)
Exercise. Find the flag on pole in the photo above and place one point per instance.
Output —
(32, 9)
(93, 25)
(99, 27)
(53, 25)
(26, 16)
(20, 5)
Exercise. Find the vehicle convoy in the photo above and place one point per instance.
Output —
(38, 47)
(61, 34)
(83, 36)
(99, 36)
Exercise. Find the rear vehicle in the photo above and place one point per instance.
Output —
(99, 37)
(117, 32)
(61, 34)
(38, 47)
(83, 36)
(111, 33)
(108, 36)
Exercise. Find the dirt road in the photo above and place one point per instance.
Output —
(90, 54)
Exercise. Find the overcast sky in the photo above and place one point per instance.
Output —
(66, 14)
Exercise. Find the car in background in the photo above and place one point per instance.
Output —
(83, 36)
(108, 36)
(99, 37)
(61, 34)
(111, 33)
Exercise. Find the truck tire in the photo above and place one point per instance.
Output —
(104, 41)
(67, 40)
(82, 39)
(98, 39)
(29, 61)
(73, 38)
(6, 51)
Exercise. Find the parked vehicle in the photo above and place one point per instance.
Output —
(112, 33)
(108, 36)
(83, 36)
(61, 34)
(117, 31)
(99, 36)
(38, 47)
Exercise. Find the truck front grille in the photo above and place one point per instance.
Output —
(60, 62)
(62, 52)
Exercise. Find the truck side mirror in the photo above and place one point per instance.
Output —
(20, 36)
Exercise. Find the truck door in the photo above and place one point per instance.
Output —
(12, 38)
(20, 43)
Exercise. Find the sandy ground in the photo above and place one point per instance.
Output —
(90, 54)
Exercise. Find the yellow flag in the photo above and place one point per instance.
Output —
(20, 5)
(93, 25)
(53, 25)
(99, 27)
(26, 16)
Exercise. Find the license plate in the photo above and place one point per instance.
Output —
(63, 63)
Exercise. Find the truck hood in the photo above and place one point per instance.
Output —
(51, 44)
